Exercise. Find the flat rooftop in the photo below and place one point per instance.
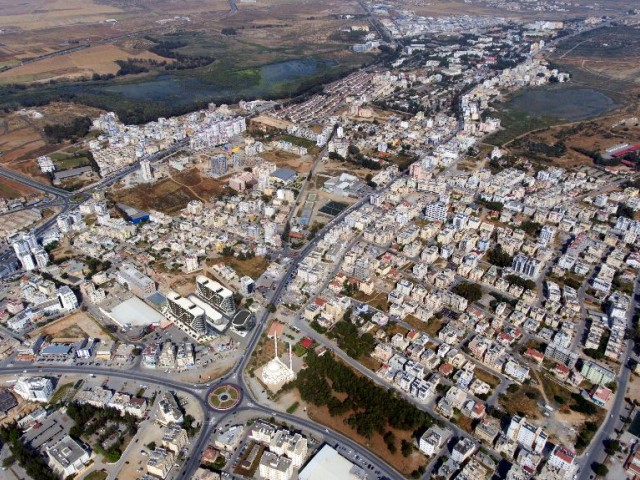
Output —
(328, 464)
(136, 313)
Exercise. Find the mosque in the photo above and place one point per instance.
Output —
(276, 372)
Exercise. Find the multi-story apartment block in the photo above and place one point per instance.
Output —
(527, 434)
(275, 467)
(35, 389)
(136, 281)
(187, 314)
(597, 373)
(215, 294)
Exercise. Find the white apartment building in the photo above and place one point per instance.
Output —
(68, 300)
(275, 467)
(433, 440)
(215, 294)
(67, 457)
(35, 389)
(436, 212)
(527, 434)
(187, 314)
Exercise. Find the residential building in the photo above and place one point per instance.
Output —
(215, 294)
(160, 462)
(275, 467)
(526, 434)
(562, 457)
(433, 440)
(137, 282)
(596, 373)
(67, 457)
(68, 300)
(175, 438)
(188, 316)
(35, 389)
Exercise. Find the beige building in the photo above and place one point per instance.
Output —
(160, 463)
(275, 467)
(175, 438)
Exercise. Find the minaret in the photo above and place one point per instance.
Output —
(275, 341)
(290, 358)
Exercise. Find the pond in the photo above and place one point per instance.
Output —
(181, 89)
(567, 103)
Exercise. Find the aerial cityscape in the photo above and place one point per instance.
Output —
(287, 239)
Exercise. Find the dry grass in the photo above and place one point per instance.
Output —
(486, 377)
(394, 328)
(74, 326)
(376, 444)
(165, 196)
(518, 403)
(377, 300)
(464, 423)
(288, 160)
(371, 363)
(10, 189)
(84, 63)
(200, 185)
(252, 267)
(22, 138)
(553, 390)
(433, 326)
(34, 15)
(426, 327)
(594, 135)
(265, 352)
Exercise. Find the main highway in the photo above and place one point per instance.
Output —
(67, 201)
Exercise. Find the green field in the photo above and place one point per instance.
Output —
(68, 160)
(301, 142)
(516, 123)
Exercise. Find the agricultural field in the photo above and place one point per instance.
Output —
(173, 64)
(84, 63)
(479, 7)
(22, 139)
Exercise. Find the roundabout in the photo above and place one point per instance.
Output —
(225, 397)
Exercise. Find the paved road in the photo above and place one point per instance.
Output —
(595, 452)
(30, 182)
(69, 200)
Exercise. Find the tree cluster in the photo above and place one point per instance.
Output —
(349, 339)
(372, 409)
(521, 282)
(32, 462)
(130, 67)
(499, 257)
(491, 205)
(471, 291)
(532, 228)
(78, 128)
(89, 419)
